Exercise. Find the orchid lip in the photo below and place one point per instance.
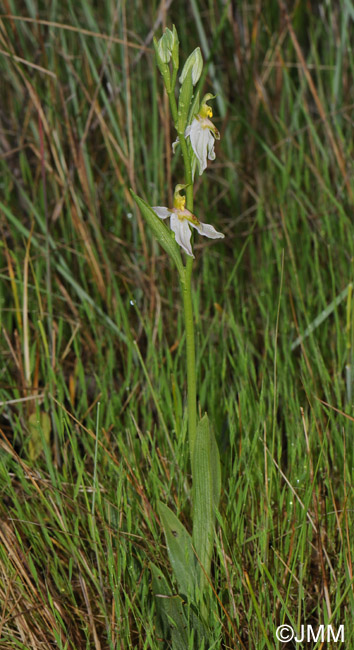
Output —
(186, 214)
(207, 124)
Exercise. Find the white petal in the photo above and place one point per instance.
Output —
(208, 231)
(182, 233)
(199, 140)
(163, 213)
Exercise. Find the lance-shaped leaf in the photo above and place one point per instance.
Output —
(162, 234)
(206, 473)
(170, 610)
(184, 102)
(194, 107)
(177, 616)
(180, 551)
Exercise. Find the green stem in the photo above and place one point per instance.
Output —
(186, 285)
(190, 348)
(184, 149)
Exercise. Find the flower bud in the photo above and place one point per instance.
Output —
(195, 64)
(162, 66)
(166, 44)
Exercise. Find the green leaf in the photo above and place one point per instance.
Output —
(170, 610)
(180, 551)
(162, 234)
(206, 472)
(194, 108)
(177, 616)
(184, 102)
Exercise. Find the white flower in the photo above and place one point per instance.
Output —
(181, 219)
(202, 134)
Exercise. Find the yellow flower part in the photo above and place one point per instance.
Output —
(205, 111)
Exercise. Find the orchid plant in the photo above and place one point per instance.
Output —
(190, 555)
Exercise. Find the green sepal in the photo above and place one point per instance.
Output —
(175, 59)
(175, 48)
(206, 472)
(162, 234)
(180, 551)
(184, 102)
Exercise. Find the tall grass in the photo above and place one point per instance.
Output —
(92, 330)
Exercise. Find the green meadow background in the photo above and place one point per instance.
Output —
(92, 372)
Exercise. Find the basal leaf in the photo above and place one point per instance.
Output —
(180, 552)
(170, 610)
(206, 492)
(177, 616)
